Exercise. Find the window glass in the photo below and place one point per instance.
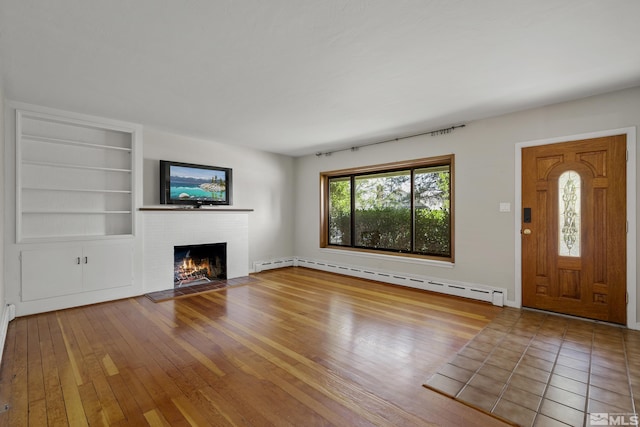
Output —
(569, 213)
(383, 211)
(432, 211)
(340, 211)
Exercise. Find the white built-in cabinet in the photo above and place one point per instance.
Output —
(75, 203)
(54, 272)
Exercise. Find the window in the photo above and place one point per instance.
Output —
(569, 214)
(401, 208)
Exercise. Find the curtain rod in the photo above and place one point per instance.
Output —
(437, 132)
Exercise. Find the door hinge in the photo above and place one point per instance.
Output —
(626, 297)
(627, 155)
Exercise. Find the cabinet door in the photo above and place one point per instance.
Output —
(107, 266)
(51, 272)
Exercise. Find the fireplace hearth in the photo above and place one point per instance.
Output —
(199, 264)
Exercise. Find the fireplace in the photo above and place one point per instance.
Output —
(199, 264)
(165, 229)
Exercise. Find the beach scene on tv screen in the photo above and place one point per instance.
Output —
(197, 184)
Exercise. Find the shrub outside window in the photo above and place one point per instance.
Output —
(403, 208)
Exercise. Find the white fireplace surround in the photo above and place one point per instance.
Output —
(165, 229)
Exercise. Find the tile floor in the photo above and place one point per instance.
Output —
(537, 369)
(196, 289)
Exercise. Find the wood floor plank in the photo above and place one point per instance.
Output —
(71, 347)
(56, 413)
(68, 374)
(35, 375)
(38, 413)
(91, 350)
(138, 391)
(196, 416)
(161, 400)
(235, 410)
(96, 416)
(7, 373)
(156, 419)
(294, 347)
(18, 413)
(125, 398)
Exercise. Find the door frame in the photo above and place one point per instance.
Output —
(630, 132)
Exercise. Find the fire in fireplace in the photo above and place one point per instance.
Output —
(198, 264)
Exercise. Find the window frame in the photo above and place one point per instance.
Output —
(325, 177)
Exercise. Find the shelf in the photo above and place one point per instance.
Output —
(74, 143)
(73, 238)
(79, 190)
(73, 166)
(65, 212)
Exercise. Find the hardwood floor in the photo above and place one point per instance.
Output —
(297, 348)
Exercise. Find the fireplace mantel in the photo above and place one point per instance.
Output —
(183, 209)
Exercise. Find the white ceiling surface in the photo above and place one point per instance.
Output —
(300, 76)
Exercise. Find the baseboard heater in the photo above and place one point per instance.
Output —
(8, 314)
(495, 296)
(259, 266)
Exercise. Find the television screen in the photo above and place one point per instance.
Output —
(190, 184)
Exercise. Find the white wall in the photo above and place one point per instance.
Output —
(484, 177)
(2, 206)
(261, 181)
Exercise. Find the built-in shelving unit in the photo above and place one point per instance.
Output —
(75, 179)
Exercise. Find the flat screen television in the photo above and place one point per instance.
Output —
(191, 184)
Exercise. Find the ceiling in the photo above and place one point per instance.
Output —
(300, 76)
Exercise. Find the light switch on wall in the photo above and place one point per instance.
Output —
(505, 207)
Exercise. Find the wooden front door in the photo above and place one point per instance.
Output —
(574, 228)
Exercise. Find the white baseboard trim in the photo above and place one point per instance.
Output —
(511, 303)
(259, 266)
(8, 314)
(496, 296)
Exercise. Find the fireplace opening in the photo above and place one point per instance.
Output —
(199, 264)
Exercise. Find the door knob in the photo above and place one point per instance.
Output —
(526, 231)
